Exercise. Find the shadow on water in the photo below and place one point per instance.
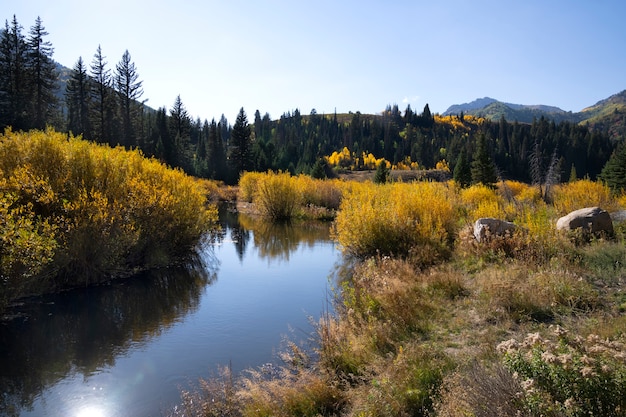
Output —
(84, 330)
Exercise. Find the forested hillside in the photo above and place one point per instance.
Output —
(106, 105)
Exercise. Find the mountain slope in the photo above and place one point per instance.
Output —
(607, 115)
(494, 110)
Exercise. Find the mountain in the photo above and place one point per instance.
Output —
(477, 104)
(494, 110)
(608, 115)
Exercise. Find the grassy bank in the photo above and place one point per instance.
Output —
(431, 323)
(74, 213)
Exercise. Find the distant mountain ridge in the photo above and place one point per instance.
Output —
(606, 115)
(493, 109)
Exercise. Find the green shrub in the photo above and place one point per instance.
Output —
(571, 376)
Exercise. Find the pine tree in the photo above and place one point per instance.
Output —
(240, 141)
(103, 103)
(43, 76)
(319, 169)
(463, 170)
(614, 171)
(215, 153)
(78, 100)
(382, 173)
(14, 94)
(129, 92)
(483, 169)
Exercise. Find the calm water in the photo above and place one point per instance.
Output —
(127, 349)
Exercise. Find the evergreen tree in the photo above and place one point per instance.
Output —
(165, 147)
(42, 76)
(483, 169)
(463, 170)
(572, 174)
(14, 95)
(78, 98)
(103, 103)
(614, 171)
(240, 144)
(382, 173)
(215, 153)
(129, 92)
(319, 169)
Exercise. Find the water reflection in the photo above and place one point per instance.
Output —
(84, 331)
(276, 241)
(124, 349)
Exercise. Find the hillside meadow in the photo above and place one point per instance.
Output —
(429, 322)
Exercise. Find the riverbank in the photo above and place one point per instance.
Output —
(76, 213)
(527, 324)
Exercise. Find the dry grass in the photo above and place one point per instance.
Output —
(418, 338)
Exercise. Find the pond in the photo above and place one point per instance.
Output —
(127, 349)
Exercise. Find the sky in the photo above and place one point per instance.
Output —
(276, 56)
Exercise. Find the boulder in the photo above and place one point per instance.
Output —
(618, 216)
(488, 226)
(589, 219)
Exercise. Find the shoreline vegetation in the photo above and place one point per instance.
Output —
(430, 322)
(74, 213)
(427, 322)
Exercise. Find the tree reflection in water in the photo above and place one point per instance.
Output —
(84, 330)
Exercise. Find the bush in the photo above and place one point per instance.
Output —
(277, 196)
(408, 220)
(75, 212)
(571, 376)
(583, 193)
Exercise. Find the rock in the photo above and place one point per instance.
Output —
(487, 226)
(589, 219)
(618, 216)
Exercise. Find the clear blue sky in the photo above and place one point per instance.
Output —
(279, 55)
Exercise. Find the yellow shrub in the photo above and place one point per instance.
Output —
(277, 195)
(481, 201)
(323, 193)
(583, 193)
(400, 219)
(248, 184)
(93, 211)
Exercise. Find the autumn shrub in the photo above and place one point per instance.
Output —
(322, 193)
(583, 193)
(277, 196)
(89, 213)
(407, 220)
(248, 185)
(569, 375)
(481, 201)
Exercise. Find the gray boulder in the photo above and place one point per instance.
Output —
(488, 226)
(590, 219)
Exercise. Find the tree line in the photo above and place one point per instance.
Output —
(106, 105)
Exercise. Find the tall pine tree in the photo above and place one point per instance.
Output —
(103, 112)
(78, 100)
(240, 144)
(14, 94)
(129, 92)
(42, 76)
